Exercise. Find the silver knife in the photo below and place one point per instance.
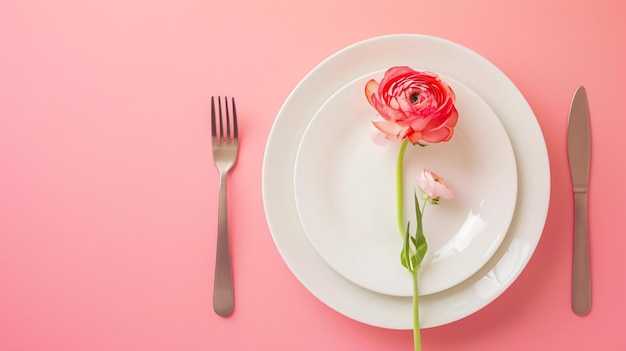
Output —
(579, 153)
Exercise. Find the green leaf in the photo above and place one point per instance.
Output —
(406, 254)
(418, 214)
(420, 242)
(420, 249)
(414, 247)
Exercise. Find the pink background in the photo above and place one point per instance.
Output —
(108, 193)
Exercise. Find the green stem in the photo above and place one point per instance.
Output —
(417, 339)
(424, 205)
(399, 200)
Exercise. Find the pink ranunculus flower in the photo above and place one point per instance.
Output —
(414, 105)
(434, 186)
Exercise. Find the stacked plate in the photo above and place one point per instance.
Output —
(329, 191)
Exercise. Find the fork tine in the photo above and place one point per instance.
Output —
(227, 137)
(222, 137)
(213, 128)
(235, 129)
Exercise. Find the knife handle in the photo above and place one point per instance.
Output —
(581, 275)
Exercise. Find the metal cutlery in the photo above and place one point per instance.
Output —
(225, 141)
(579, 153)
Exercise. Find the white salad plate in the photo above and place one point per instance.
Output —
(533, 180)
(346, 194)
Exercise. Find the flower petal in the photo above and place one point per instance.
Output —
(388, 127)
(370, 89)
(378, 137)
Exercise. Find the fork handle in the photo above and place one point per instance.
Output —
(223, 296)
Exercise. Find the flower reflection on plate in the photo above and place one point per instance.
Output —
(345, 193)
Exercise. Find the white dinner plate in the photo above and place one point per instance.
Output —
(345, 193)
(531, 156)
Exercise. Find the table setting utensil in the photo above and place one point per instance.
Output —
(579, 155)
(225, 146)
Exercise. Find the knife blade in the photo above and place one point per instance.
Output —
(579, 155)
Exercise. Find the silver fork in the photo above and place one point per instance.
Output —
(225, 147)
